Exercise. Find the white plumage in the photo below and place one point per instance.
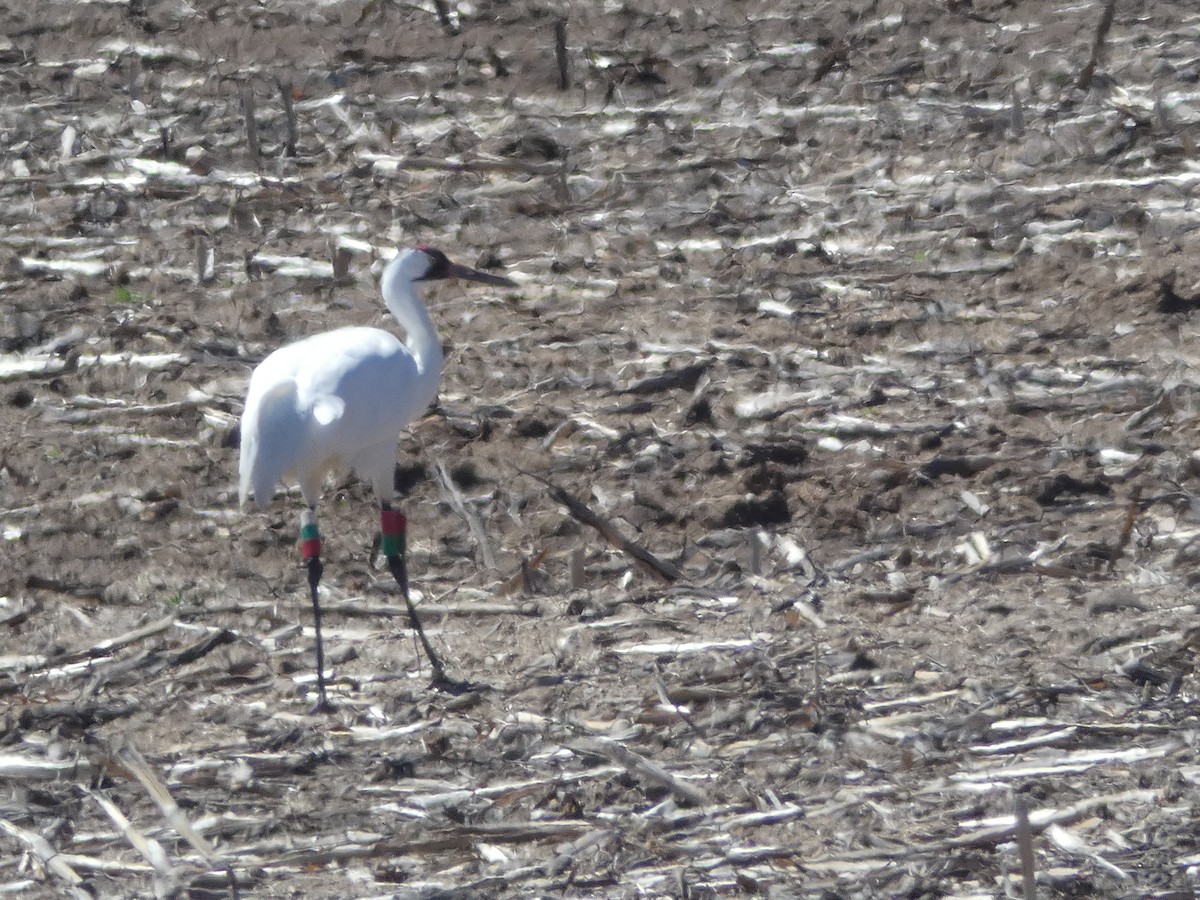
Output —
(339, 400)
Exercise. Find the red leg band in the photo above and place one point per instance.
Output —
(393, 525)
(392, 522)
(310, 538)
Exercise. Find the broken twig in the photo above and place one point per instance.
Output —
(643, 557)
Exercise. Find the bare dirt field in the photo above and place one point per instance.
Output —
(867, 331)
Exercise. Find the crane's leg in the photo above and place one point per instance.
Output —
(393, 528)
(310, 550)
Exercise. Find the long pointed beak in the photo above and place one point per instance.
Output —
(466, 273)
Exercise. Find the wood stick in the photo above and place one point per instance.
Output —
(643, 768)
(340, 257)
(108, 645)
(577, 575)
(150, 849)
(49, 857)
(133, 762)
(133, 73)
(252, 144)
(523, 579)
(1025, 847)
(289, 113)
(1016, 114)
(560, 54)
(643, 557)
(205, 260)
(439, 610)
(1130, 518)
(454, 499)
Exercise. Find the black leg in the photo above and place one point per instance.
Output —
(315, 568)
(310, 548)
(393, 542)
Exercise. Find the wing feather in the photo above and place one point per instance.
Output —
(271, 427)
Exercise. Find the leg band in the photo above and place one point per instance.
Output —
(393, 526)
(310, 538)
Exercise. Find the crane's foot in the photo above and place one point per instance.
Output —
(322, 707)
(455, 687)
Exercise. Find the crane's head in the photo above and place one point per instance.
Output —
(438, 267)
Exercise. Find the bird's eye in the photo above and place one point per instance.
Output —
(439, 264)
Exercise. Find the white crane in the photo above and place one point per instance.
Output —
(338, 401)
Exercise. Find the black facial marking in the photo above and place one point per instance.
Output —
(439, 265)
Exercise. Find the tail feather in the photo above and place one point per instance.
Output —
(271, 434)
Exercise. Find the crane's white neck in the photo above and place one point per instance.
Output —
(400, 294)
